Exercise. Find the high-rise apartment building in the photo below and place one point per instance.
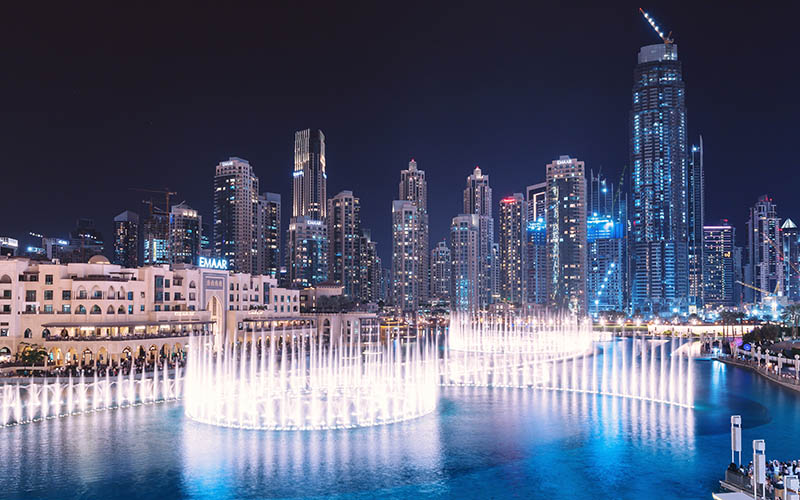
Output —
(344, 238)
(791, 258)
(414, 188)
(605, 237)
(513, 229)
(407, 268)
(369, 269)
(478, 201)
(566, 235)
(126, 239)
(308, 264)
(185, 234)
(696, 216)
(309, 176)
(235, 213)
(307, 249)
(465, 232)
(441, 268)
(718, 268)
(536, 244)
(659, 157)
(268, 255)
(764, 238)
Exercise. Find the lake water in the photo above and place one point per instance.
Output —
(480, 443)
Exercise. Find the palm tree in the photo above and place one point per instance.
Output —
(33, 355)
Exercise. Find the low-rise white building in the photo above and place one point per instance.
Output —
(97, 311)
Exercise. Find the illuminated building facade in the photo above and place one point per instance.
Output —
(764, 239)
(235, 210)
(513, 215)
(718, 268)
(413, 188)
(268, 235)
(465, 232)
(344, 238)
(566, 235)
(185, 234)
(308, 252)
(126, 239)
(406, 260)
(478, 201)
(536, 244)
(605, 236)
(659, 157)
(696, 215)
(441, 268)
(791, 258)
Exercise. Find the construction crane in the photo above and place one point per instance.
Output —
(666, 39)
(166, 192)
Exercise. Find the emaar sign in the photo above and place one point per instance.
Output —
(212, 263)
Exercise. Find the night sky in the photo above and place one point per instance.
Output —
(98, 100)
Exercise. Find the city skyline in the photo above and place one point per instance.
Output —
(265, 141)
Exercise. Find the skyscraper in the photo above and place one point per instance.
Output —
(566, 235)
(126, 239)
(406, 262)
(414, 188)
(235, 213)
(791, 258)
(513, 229)
(696, 215)
(478, 201)
(764, 238)
(185, 234)
(605, 236)
(309, 176)
(718, 268)
(441, 268)
(307, 248)
(658, 240)
(308, 263)
(268, 235)
(344, 233)
(536, 244)
(465, 231)
(369, 268)
(155, 237)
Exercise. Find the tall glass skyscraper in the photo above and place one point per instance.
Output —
(659, 159)
(696, 213)
(605, 227)
(307, 239)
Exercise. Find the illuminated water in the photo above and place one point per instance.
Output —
(480, 442)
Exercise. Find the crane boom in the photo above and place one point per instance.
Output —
(666, 39)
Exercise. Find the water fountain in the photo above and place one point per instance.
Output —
(561, 353)
(33, 401)
(281, 380)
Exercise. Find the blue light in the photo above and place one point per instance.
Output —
(212, 263)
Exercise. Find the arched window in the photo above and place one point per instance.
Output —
(64, 333)
(45, 333)
(80, 310)
(5, 279)
(111, 293)
(192, 285)
(28, 333)
(121, 310)
(96, 309)
(110, 310)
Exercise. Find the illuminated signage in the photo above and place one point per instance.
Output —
(564, 162)
(212, 263)
(9, 242)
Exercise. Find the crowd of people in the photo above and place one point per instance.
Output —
(776, 471)
(112, 368)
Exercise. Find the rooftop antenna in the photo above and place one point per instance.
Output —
(666, 39)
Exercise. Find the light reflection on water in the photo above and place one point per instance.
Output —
(481, 442)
